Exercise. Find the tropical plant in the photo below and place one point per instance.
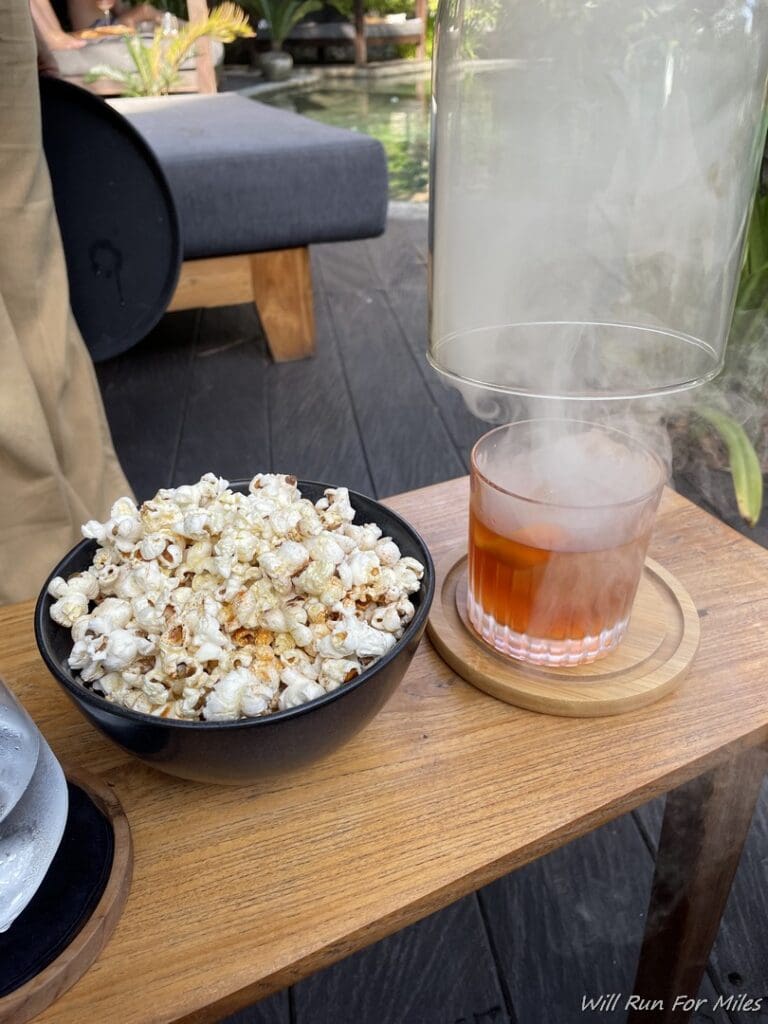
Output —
(156, 66)
(282, 15)
(749, 328)
(744, 462)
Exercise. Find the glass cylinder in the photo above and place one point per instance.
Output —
(593, 166)
(561, 513)
(34, 801)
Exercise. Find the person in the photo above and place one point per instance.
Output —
(56, 20)
(48, 29)
(58, 467)
(46, 62)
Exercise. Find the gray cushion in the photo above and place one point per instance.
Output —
(248, 178)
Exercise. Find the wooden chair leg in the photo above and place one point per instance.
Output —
(282, 291)
(705, 825)
(422, 11)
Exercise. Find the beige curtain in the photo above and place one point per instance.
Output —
(57, 464)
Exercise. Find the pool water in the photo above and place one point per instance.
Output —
(395, 111)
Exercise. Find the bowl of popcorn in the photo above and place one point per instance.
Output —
(228, 633)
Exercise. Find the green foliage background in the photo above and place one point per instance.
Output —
(374, 7)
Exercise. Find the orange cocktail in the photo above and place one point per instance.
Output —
(560, 519)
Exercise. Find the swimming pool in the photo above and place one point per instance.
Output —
(393, 110)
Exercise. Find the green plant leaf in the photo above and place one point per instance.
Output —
(756, 249)
(757, 237)
(106, 71)
(140, 55)
(745, 465)
(224, 23)
(282, 15)
(753, 289)
(129, 82)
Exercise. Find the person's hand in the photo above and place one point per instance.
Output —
(46, 62)
(65, 41)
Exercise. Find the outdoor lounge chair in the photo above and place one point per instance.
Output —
(254, 186)
(234, 189)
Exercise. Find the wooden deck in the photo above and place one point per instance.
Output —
(201, 394)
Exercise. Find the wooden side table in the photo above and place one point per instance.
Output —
(240, 892)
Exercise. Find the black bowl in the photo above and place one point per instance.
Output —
(246, 750)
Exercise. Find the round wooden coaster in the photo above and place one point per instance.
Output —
(654, 657)
(35, 995)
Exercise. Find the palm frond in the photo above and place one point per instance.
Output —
(140, 57)
(128, 80)
(282, 15)
(296, 11)
(230, 21)
(106, 71)
(224, 23)
(156, 53)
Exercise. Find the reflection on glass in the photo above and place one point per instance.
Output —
(394, 111)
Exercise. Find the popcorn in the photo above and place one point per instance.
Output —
(207, 605)
(300, 660)
(324, 547)
(335, 509)
(282, 489)
(351, 635)
(149, 614)
(70, 607)
(226, 698)
(257, 701)
(386, 618)
(81, 583)
(112, 613)
(300, 693)
(359, 569)
(285, 561)
(365, 537)
(336, 671)
(198, 554)
(153, 545)
(122, 648)
(387, 552)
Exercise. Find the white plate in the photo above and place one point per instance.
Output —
(30, 835)
(19, 747)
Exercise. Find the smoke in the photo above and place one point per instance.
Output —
(588, 483)
(593, 168)
(695, 456)
(645, 420)
(700, 465)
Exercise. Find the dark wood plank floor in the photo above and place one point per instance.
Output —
(201, 394)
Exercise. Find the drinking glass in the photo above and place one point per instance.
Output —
(19, 745)
(33, 808)
(561, 512)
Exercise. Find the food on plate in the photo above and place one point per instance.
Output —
(205, 604)
(105, 31)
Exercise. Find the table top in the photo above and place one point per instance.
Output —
(239, 892)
